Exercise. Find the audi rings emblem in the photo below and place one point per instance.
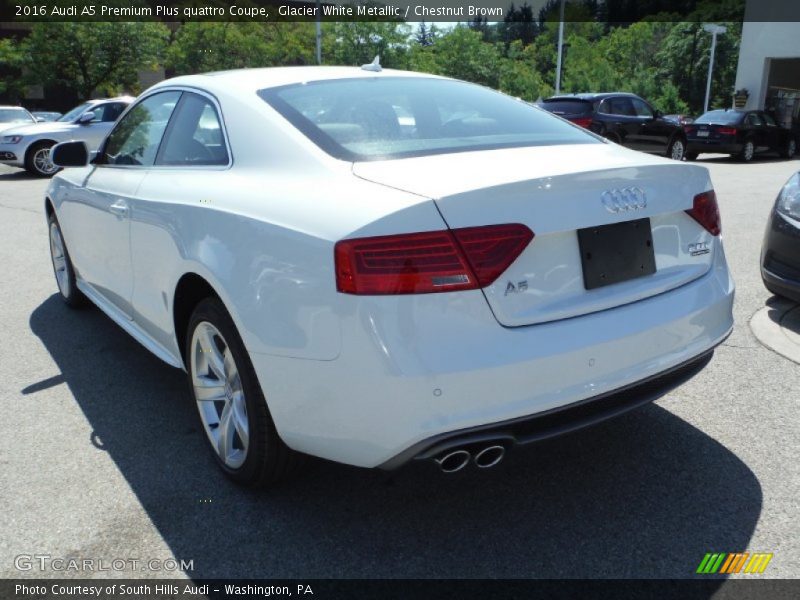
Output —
(624, 200)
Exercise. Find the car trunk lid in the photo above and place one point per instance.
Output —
(559, 192)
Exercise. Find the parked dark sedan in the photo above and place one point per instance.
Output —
(740, 133)
(622, 118)
(780, 253)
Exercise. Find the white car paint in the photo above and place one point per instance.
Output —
(361, 379)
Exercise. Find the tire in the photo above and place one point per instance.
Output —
(37, 160)
(747, 152)
(676, 149)
(789, 149)
(245, 443)
(691, 155)
(62, 267)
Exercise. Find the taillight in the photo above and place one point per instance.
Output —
(706, 212)
(689, 128)
(726, 130)
(582, 121)
(422, 263)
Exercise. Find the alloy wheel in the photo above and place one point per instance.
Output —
(677, 150)
(748, 151)
(59, 258)
(219, 395)
(42, 162)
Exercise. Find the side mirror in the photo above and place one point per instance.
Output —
(658, 114)
(86, 118)
(70, 154)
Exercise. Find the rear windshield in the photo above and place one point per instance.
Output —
(15, 115)
(396, 117)
(720, 117)
(567, 107)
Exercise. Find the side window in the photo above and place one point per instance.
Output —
(108, 113)
(769, 120)
(605, 107)
(641, 108)
(622, 106)
(754, 120)
(195, 135)
(135, 139)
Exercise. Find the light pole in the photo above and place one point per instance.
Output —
(714, 30)
(319, 32)
(560, 48)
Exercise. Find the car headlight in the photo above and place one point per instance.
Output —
(11, 139)
(789, 199)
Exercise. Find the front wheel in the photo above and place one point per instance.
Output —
(37, 160)
(230, 402)
(676, 149)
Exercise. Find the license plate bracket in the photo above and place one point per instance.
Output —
(616, 253)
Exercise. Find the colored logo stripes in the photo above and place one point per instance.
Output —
(734, 562)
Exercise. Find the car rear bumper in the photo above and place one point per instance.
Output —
(780, 257)
(417, 369)
(712, 147)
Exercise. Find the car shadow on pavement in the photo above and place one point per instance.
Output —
(644, 495)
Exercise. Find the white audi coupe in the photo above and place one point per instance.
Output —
(377, 266)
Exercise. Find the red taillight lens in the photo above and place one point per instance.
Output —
(582, 121)
(706, 212)
(726, 130)
(421, 263)
(689, 128)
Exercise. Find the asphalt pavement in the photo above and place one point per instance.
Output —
(101, 456)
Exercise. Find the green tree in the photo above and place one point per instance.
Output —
(200, 47)
(11, 62)
(358, 42)
(89, 56)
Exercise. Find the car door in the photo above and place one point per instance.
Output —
(96, 130)
(100, 210)
(757, 131)
(621, 116)
(773, 134)
(174, 206)
(654, 133)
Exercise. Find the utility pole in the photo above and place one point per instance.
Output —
(319, 32)
(714, 30)
(560, 48)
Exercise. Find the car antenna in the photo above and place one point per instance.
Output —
(375, 65)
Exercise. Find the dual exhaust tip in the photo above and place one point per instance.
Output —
(456, 460)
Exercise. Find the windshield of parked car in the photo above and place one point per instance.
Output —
(397, 117)
(15, 115)
(75, 112)
(720, 117)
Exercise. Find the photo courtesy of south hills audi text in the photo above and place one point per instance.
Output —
(160, 590)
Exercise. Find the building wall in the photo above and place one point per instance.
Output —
(762, 41)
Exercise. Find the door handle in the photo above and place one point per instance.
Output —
(119, 208)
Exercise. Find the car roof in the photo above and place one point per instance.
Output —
(127, 99)
(592, 95)
(257, 79)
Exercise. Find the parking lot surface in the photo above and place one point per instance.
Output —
(101, 456)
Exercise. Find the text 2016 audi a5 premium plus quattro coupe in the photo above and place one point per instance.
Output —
(379, 266)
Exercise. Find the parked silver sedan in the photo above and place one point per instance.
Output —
(27, 146)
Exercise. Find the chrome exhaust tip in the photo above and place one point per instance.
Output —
(489, 456)
(454, 461)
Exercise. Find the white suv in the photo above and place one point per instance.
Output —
(28, 146)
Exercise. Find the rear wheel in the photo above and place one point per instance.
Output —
(230, 401)
(676, 149)
(789, 149)
(37, 160)
(62, 267)
(747, 152)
